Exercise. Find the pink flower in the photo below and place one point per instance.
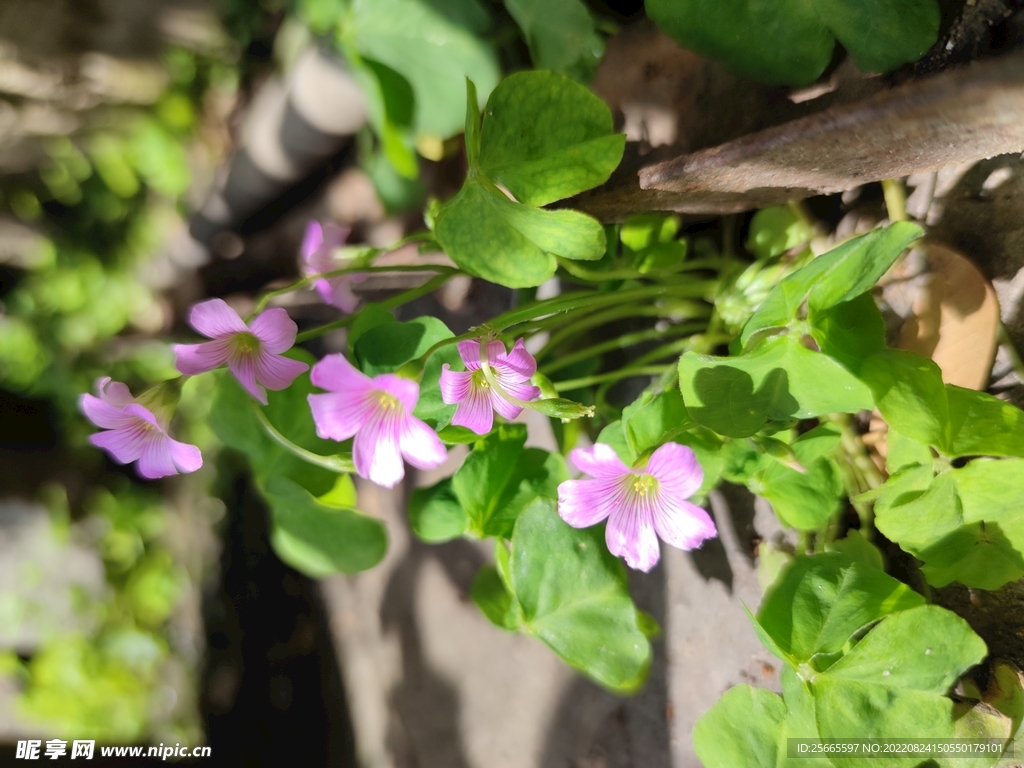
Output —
(378, 412)
(133, 433)
(253, 352)
(476, 397)
(318, 246)
(640, 504)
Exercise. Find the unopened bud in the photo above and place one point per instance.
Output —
(543, 383)
(779, 451)
(430, 213)
(560, 408)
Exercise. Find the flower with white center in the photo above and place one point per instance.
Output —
(132, 432)
(641, 505)
(478, 395)
(378, 413)
(252, 352)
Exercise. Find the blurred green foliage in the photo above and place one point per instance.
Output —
(80, 299)
(102, 684)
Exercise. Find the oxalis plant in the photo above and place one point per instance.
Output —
(864, 655)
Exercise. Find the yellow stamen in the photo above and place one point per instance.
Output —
(387, 401)
(645, 484)
(246, 343)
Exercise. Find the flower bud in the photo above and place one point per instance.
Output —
(560, 408)
(779, 451)
(544, 384)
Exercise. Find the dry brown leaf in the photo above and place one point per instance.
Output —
(955, 319)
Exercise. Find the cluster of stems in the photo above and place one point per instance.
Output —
(564, 317)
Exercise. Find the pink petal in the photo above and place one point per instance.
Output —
(504, 408)
(376, 452)
(682, 524)
(243, 366)
(114, 392)
(520, 361)
(318, 263)
(318, 247)
(192, 359)
(420, 444)
(454, 384)
(337, 374)
(334, 236)
(474, 411)
(142, 413)
(156, 460)
(103, 414)
(583, 503)
(676, 469)
(630, 534)
(187, 458)
(339, 416)
(312, 240)
(277, 372)
(275, 329)
(495, 353)
(337, 292)
(469, 351)
(599, 460)
(215, 319)
(406, 390)
(124, 445)
(323, 287)
(520, 390)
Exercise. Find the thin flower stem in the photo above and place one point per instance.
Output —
(895, 199)
(799, 209)
(668, 379)
(445, 342)
(587, 320)
(601, 276)
(597, 299)
(570, 320)
(364, 264)
(682, 345)
(803, 543)
(671, 373)
(624, 373)
(312, 333)
(487, 328)
(339, 463)
(858, 471)
(622, 342)
(307, 281)
(395, 301)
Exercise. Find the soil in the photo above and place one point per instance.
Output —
(997, 616)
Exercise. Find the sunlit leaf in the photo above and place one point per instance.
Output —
(791, 41)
